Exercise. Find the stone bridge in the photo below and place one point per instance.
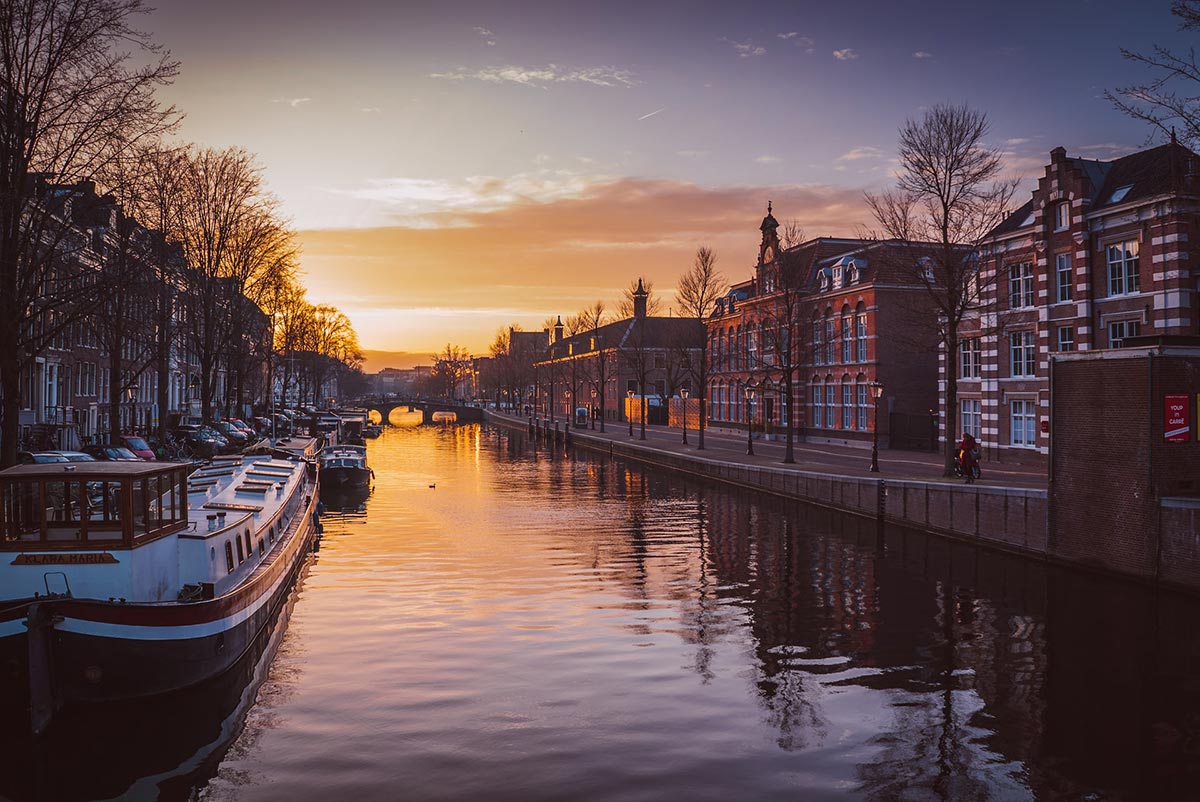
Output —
(427, 407)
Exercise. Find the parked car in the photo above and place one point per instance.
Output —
(233, 434)
(138, 446)
(73, 456)
(39, 457)
(246, 428)
(112, 454)
(200, 440)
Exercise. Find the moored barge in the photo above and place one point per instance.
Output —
(127, 580)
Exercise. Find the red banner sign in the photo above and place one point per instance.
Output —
(1177, 419)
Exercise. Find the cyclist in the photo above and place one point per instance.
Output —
(968, 457)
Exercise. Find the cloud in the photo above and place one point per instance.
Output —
(845, 54)
(804, 42)
(487, 35)
(544, 76)
(651, 114)
(746, 49)
(767, 159)
(370, 110)
(516, 249)
(922, 54)
(691, 154)
(1012, 143)
(294, 102)
(861, 152)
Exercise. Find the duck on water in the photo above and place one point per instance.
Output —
(126, 580)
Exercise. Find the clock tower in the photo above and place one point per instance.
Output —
(769, 249)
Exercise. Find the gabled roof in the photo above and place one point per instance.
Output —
(656, 332)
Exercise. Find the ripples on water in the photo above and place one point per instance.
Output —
(498, 622)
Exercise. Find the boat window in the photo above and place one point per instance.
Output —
(228, 557)
(64, 510)
(241, 555)
(212, 554)
(249, 547)
(262, 549)
(271, 534)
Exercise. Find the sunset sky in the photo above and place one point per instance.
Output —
(456, 167)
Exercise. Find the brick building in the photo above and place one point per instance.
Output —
(643, 355)
(1102, 251)
(858, 318)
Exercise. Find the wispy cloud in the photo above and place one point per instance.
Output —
(746, 49)
(1020, 140)
(544, 76)
(922, 54)
(845, 54)
(294, 102)
(862, 152)
(691, 154)
(805, 43)
(651, 114)
(767, 159)
(487, 36)
(370, 109)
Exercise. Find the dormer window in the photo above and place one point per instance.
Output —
(1119, 193)
(837, 277)
(1062, 216)
(925, 269)
(824, 280)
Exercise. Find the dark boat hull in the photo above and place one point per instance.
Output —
(332, 478)
(78, 650)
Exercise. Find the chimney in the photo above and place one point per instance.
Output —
(558, 329)
(1058, 155)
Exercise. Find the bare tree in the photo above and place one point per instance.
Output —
(601, 365)
(1169, 99)
(450, 367)
(698, 291)
(948, 198)
(73, 98)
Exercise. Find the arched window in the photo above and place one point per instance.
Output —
(860, 388)
(847, 335)
(860, 332)
(818, 342)
(830, 354)
(830, 404)
(847, 403)
(818, 399)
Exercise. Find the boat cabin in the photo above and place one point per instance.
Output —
(91, 505)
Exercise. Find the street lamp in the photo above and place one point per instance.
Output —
(593, 408)
(570, 411)
(684, 394)
(629, 410)
(749, 420)
(877, 393)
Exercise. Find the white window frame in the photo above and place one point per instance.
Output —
(1120, 330)
(1122, 259)
(1023, 423)
(1020, 285)
(830, 406)
(847, 405)
(847, 339)
(861, 392)
(860, 324)
(970, 364)
(971, 416)
(1023, 353)
(1063, 278)
(1062, 216)
(818, 402)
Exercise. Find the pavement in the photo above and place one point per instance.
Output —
(834, 460)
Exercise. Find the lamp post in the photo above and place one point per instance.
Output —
(130, 396)
(570, 411)
(876, 392)
(684, 394)
(629, 410)
(593, 409)
(749, 420)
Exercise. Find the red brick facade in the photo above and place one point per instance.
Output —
(1101, 252)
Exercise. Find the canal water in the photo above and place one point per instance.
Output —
(498, 621)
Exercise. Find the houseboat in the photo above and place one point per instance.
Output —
(126, 580)
(344, 466)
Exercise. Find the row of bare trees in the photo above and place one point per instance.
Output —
(183, 252)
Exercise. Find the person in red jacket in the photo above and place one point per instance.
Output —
(968, 457)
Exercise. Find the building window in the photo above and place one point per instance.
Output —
(970, 364)
(1062, 273)
(1020, 285)
(818, 345)
(1024, 423)
(1120, 329)
(817, 417)
(1123, 267)
(847, 404)
(847, 339)
(830, 417)
(1024, 353)
(862, 405)
(860, 327)
(1062, 216)
(1066, 338)
(972, 417)
(829, 352)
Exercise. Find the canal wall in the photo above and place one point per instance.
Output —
(1012, 519)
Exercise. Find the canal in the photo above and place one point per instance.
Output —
(497, 621)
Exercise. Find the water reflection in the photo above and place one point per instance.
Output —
(504, 621)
